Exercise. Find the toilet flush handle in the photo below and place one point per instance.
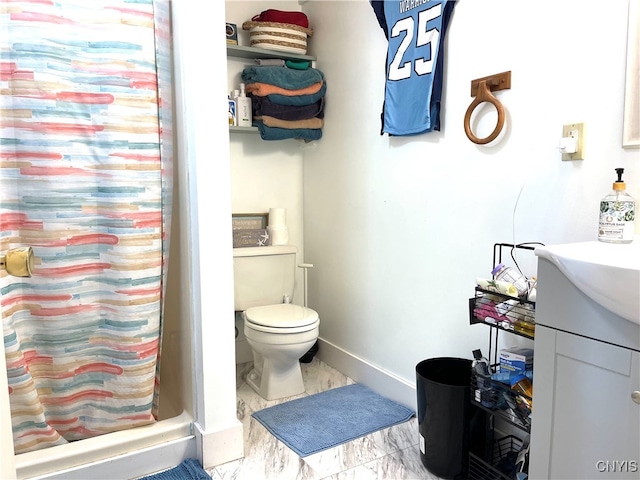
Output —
(306, 267)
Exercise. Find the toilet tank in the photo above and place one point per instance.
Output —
(263, 275)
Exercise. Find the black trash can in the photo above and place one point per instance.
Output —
(445, 415)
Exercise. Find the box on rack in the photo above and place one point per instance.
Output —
(516, 359)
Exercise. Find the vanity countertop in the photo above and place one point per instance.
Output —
(607, 273)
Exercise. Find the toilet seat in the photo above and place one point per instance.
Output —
(281, 318)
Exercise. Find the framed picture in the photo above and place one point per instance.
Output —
(249, 221)
(250, 229)
(631, 125)
(232, 34)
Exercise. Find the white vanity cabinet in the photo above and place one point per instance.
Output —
(586, 422)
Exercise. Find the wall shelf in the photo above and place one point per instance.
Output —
(236, 129)
(240, 51)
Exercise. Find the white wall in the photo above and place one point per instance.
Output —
(399, 228)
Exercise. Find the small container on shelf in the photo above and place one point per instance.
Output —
(507, 274)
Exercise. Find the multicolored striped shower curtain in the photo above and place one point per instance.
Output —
(85, 179)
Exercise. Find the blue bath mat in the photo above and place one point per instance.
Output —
(311, 424)
(189, 469)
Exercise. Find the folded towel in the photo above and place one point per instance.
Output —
(488, 314)
(272, 62)
(298, 64)
(264, 89)
(264, 106)
(305, 123)
(282, 16)
(275, 133)
(288, 78)
(298, 100)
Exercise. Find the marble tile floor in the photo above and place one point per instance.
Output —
(392, 453)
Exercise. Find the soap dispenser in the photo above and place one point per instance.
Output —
(617, 214)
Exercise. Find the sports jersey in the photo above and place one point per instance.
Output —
(415, 31)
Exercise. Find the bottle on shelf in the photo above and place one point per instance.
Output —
(521, 384)
(234, 96)
(244, 108)
(507, 274)
(481, 369)
(232, 111)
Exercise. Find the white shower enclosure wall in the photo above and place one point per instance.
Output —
(196, 416)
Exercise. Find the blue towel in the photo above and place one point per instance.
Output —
(189, 469)
(317, 422)
(275, 133)
(287, 78)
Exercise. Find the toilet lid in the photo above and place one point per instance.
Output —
(282, 315)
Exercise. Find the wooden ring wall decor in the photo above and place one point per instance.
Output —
(481, 90)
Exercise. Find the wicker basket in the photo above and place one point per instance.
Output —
(284, 37)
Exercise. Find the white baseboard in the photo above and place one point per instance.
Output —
(383, 382)
(216, 448)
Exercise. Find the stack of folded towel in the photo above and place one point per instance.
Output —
(287, 101)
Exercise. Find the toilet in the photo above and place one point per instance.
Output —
(278, 332)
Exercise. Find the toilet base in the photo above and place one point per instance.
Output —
(272, 385)
(276, 367)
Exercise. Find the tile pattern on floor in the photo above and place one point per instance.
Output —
(392, 453)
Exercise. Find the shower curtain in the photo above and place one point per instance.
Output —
(85, 179)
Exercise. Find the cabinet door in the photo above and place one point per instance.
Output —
(595, 430)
